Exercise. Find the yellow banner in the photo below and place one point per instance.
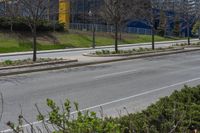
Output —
(64, 12)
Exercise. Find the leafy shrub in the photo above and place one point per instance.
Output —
(132, 51)
(8, 62)
(98, 52)
(178, 113)
(105, 52)
(27, 61)
(18, 25)
(141, 49)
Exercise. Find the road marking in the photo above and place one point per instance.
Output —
(119, 100)
(117, 73)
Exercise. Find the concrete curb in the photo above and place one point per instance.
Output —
(100, 47)
(132, 54)
(73, 65)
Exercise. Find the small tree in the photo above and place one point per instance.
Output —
(151, 14)
(113, 12)
(11, 12)
(117, 12)
(176, 29)
(185, 9)
(162, 23)
(33, 11)
(196, 28)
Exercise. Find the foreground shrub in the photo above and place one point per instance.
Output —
(178, 113)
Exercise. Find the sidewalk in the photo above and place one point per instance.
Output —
(99, 47)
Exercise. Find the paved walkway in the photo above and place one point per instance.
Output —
(77, 53)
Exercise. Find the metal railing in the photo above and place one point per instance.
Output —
(109, 28)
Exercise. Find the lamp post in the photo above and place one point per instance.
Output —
(91, 15)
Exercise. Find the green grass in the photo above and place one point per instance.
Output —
(13, 43)
(81, 40)
(146, 38)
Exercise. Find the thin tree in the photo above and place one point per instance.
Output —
(176, 29)
(162, 23)
(151, 15)
(196, 26)
(11, 12)
(33, 12)
(187, 13)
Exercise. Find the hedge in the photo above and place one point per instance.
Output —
(18, 25)
(178, 113)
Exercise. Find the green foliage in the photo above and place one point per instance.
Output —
(86, 122)
(176, 29)
(27, 61)
(178, 113)
(140, 50)
(196, 27)
(162, 23)
(185, 44)
(7, 62)
(19, 25)
(22, 41)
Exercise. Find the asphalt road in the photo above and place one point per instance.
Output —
(133, 84)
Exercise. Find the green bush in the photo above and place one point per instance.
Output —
(181, 109)
(27, 61)
(177, 113)
(18, 25)
(132, 51)
(7, 62)
(161, 32)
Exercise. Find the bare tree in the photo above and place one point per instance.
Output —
(151, 14)
(118, 12)
(196, 26)
(187, 12)
(33, 12)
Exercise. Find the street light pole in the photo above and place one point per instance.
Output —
(93, 29)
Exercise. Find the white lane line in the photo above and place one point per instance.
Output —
(117, 73)
(119, 100)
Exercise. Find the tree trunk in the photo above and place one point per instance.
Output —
(11, 27)
(34, 43)
(199, 33)
(116, 37)
(153, 38)
(188, 31)
(93, 36)
(120, 34)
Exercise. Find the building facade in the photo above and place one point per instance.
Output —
(74, 14)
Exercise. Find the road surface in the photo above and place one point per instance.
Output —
(134, 84)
